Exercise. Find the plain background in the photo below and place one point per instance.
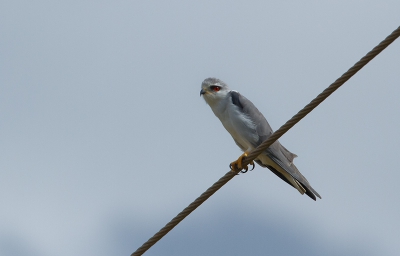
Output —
(104, 137)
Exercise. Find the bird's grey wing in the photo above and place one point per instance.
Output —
(262, 127)
(276, 152)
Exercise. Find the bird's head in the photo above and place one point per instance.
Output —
(213, 90)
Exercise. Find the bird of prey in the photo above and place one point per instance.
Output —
(249, 128)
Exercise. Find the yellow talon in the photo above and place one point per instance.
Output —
(239, 163)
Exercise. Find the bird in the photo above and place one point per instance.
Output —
(249, 128)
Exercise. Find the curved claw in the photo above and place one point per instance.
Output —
(247, 169)
(238, 164)
(253, 164)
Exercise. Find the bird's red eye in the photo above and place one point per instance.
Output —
(215, 88)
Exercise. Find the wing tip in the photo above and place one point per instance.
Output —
(312, 193)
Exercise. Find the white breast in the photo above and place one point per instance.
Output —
(240, 126)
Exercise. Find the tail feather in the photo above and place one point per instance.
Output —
(308, 190)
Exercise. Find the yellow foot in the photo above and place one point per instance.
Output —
(239, 164)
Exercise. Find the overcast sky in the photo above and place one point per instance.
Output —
(104, 137)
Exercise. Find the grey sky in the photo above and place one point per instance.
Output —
(104, 137)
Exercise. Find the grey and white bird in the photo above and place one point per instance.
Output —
(249, 128)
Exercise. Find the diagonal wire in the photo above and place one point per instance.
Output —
(276, 135)
(321, 97)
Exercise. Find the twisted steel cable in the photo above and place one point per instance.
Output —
(275, 136)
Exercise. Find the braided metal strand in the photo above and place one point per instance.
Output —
(276, 135)
(321, 97)
(196, 203)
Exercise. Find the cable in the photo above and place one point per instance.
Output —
(276, 135)
(321, 97)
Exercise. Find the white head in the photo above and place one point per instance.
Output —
(213, 90)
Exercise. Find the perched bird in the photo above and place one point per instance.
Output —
(249, 128)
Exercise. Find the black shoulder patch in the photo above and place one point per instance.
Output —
(235, 99)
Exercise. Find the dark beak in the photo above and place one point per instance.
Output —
(202, 92)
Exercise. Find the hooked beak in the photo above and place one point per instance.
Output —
(202, 92)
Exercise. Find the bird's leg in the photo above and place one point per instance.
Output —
(239, 164)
